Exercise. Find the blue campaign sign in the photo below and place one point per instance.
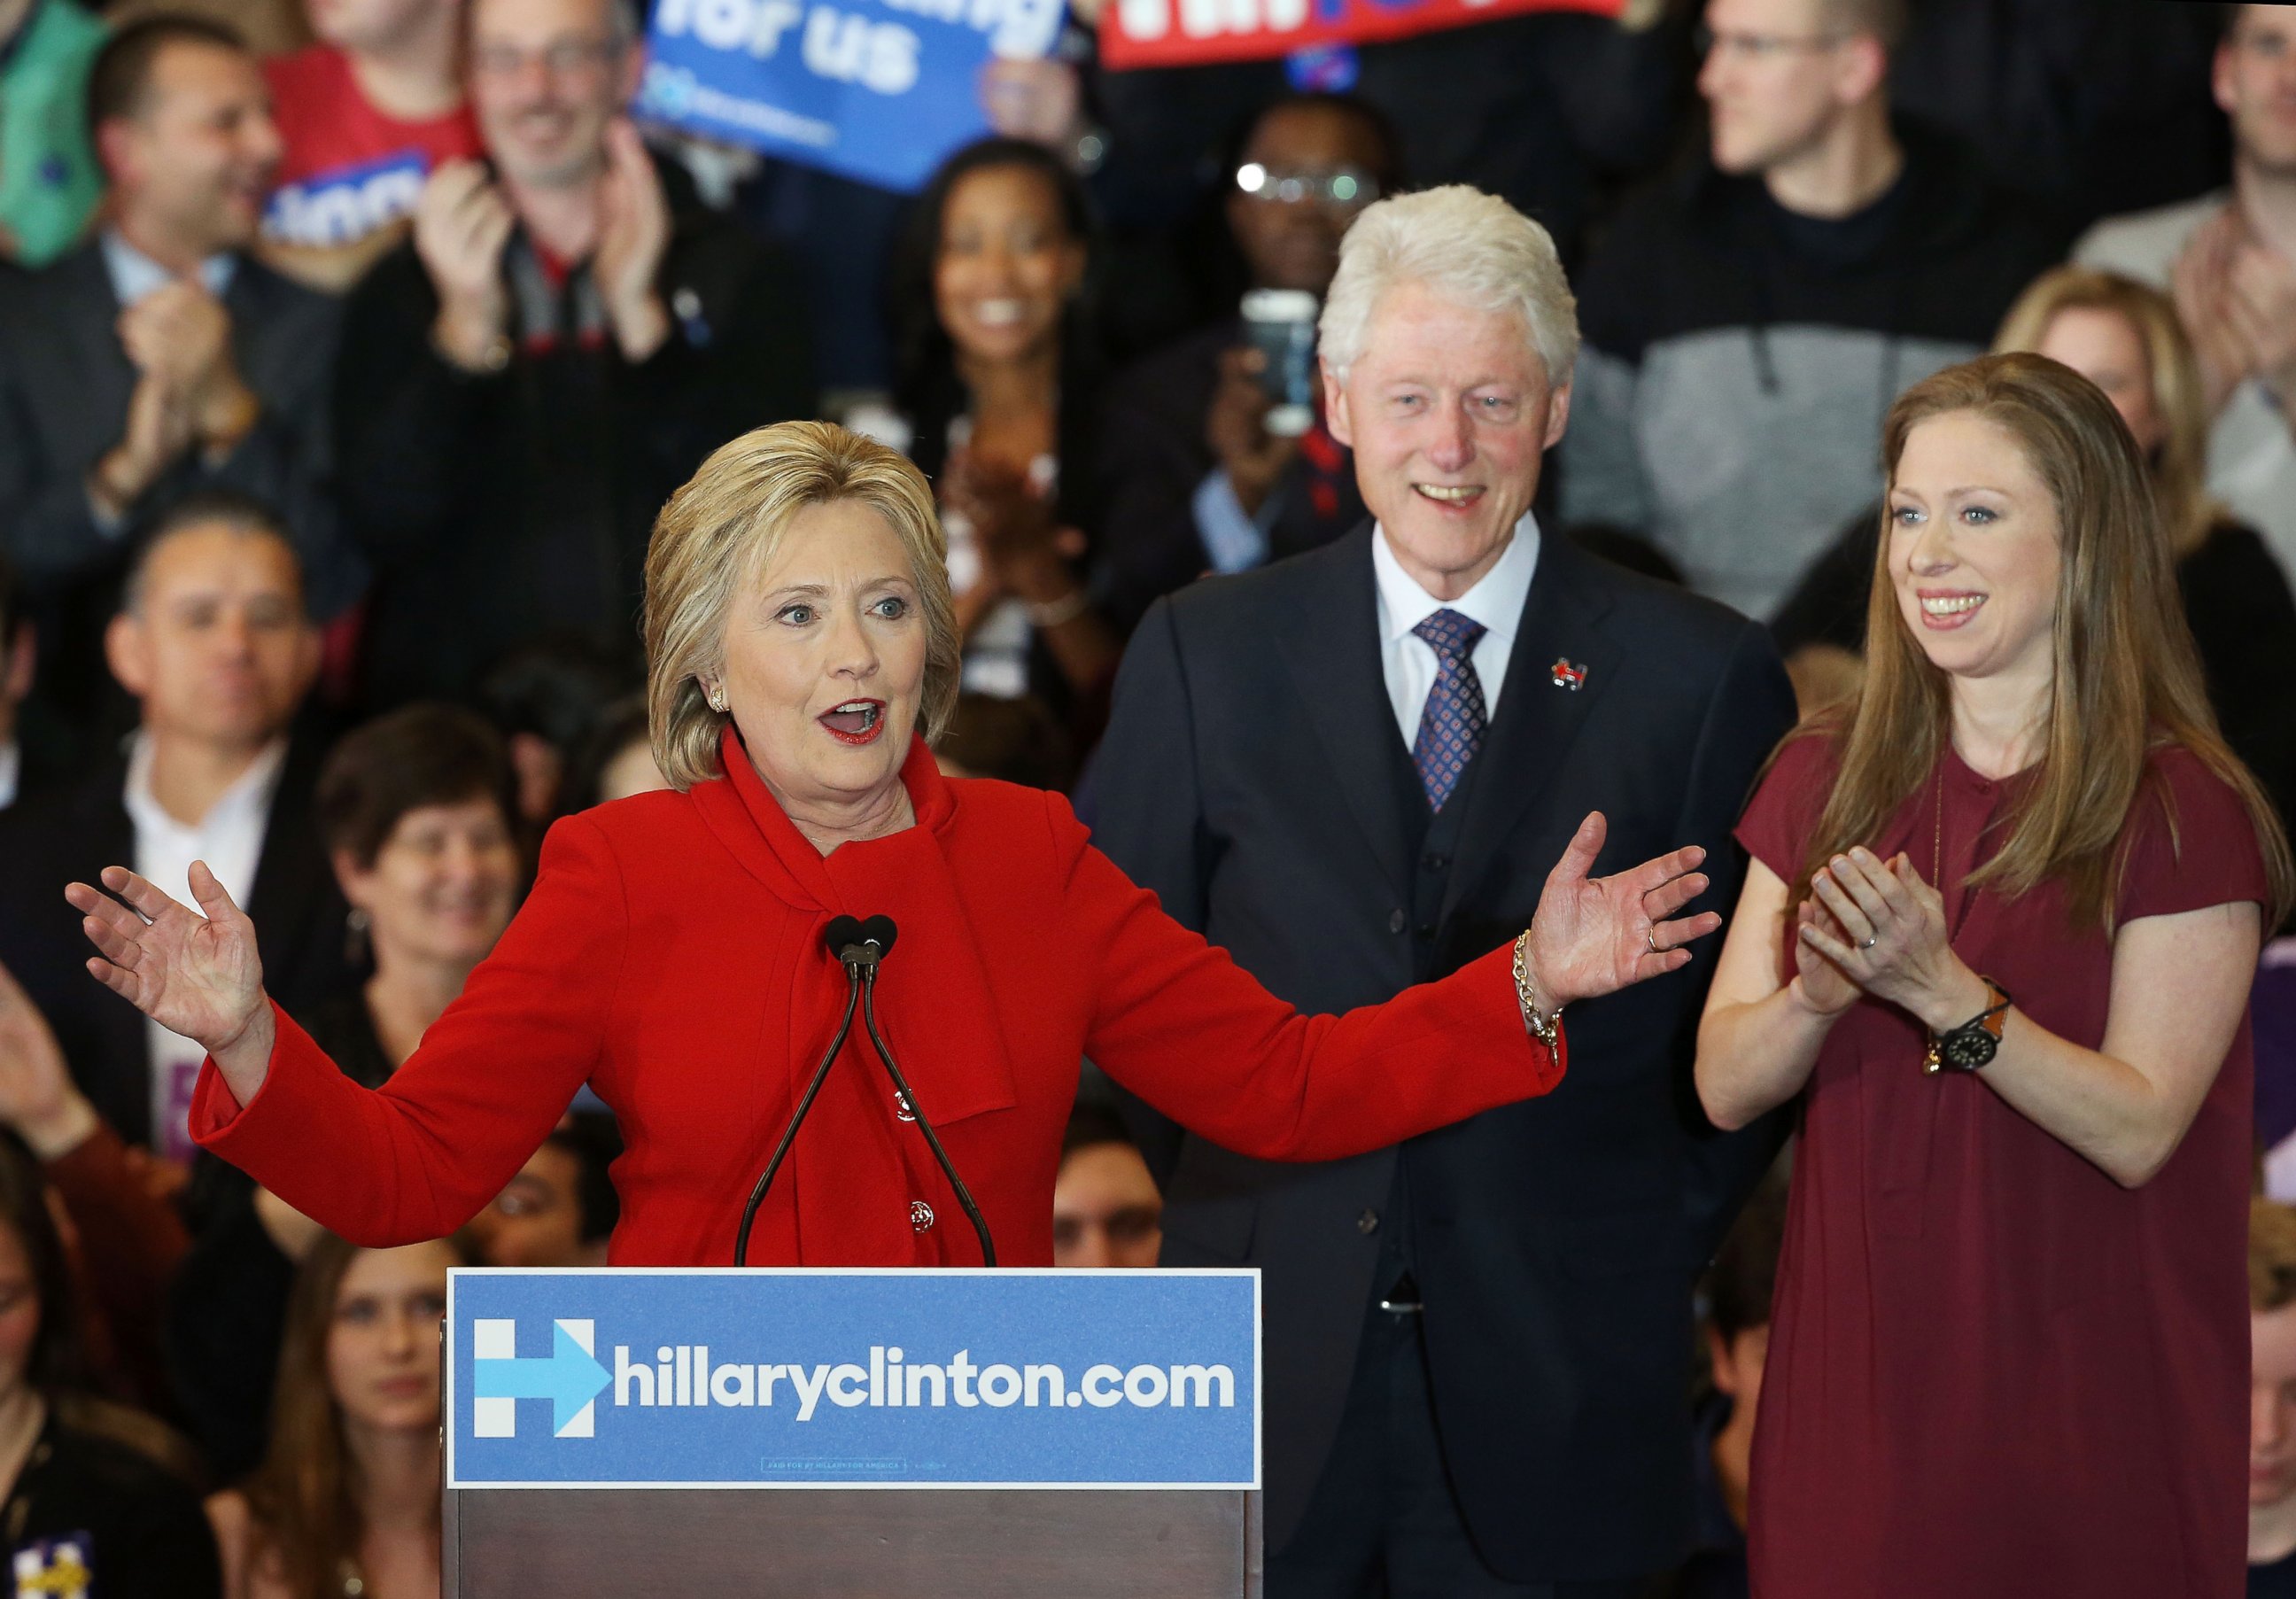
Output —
(878, 90)
(630, 1378)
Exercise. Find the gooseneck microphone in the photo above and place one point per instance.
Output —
(859, 946)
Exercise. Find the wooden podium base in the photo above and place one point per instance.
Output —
(840, 1544)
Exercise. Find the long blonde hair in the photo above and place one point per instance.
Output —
(2179, 467)
(2127, 678)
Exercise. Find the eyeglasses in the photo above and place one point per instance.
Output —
(568, 58)
(1345, 187)
(1761, 46)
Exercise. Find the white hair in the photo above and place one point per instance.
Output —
(1469, 247)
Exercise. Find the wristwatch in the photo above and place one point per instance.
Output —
(1973, 1044)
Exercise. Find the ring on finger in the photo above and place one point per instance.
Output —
(1649, 938)
(1869, 941)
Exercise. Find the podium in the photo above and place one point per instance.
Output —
(796, 1433)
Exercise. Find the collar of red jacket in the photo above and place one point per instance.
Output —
(934, 997)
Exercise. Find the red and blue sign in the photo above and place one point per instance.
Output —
(1181, 32)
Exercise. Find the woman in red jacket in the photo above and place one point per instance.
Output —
(799, 631)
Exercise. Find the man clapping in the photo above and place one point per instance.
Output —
(564, 338)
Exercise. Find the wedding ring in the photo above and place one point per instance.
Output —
(1869, 943)
(1650, 937)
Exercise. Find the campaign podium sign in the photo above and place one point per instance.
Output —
(944, 1431)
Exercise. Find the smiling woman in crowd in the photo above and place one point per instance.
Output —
(999, 384)
(1998, 933)
(802, 647)
(416, 809)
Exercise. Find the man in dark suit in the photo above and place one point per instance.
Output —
(1352, 769)
(161, 356)
(214, 643)
(30, 760)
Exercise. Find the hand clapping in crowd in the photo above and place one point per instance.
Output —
(2237, 297)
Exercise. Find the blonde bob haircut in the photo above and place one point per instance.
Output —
(724, 527)
(1469, 247)
(2179, 467)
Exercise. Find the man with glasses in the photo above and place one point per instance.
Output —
(2230, 259)
(1198, 483)
(563, 339)
(1748, 323)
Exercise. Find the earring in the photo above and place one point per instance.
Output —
(354, 937)
(716, 698)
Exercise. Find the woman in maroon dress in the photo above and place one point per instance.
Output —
(2009, 1353)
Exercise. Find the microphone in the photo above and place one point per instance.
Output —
(856, 943)
(860, 945)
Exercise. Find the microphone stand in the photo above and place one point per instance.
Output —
(788, 1133)
(932, 1139)
(859, 946)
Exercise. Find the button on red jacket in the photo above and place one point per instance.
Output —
(671, 956)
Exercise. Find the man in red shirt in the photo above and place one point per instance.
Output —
(367, 114)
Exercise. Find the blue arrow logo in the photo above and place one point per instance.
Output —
(570, 1378)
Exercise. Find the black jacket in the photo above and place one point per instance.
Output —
(500, 508)
(69, 834)
(1253, 777)
(65, 382)
(1155, 455)
(86, 1502)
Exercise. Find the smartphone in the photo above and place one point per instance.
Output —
(1280, 324)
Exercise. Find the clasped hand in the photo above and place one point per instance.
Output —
(1875, 927)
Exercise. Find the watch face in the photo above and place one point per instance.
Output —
(1967, 1051)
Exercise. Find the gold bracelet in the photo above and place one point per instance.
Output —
(1543, 1024)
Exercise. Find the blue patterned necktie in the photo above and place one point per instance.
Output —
(1451, 727)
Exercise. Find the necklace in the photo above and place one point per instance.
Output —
(1937, 836)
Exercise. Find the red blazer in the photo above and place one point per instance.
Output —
(670, 956)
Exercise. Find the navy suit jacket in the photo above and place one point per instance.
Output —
(1247, 778)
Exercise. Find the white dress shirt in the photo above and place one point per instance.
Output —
(230, 839)
(1408, 661)
(136, 275)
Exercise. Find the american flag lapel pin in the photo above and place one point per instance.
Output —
(1572, 677)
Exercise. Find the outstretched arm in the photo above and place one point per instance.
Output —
(1180, 1024)
(416, 1158)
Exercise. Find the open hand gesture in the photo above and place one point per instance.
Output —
(1593, 936)
(196, 975)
